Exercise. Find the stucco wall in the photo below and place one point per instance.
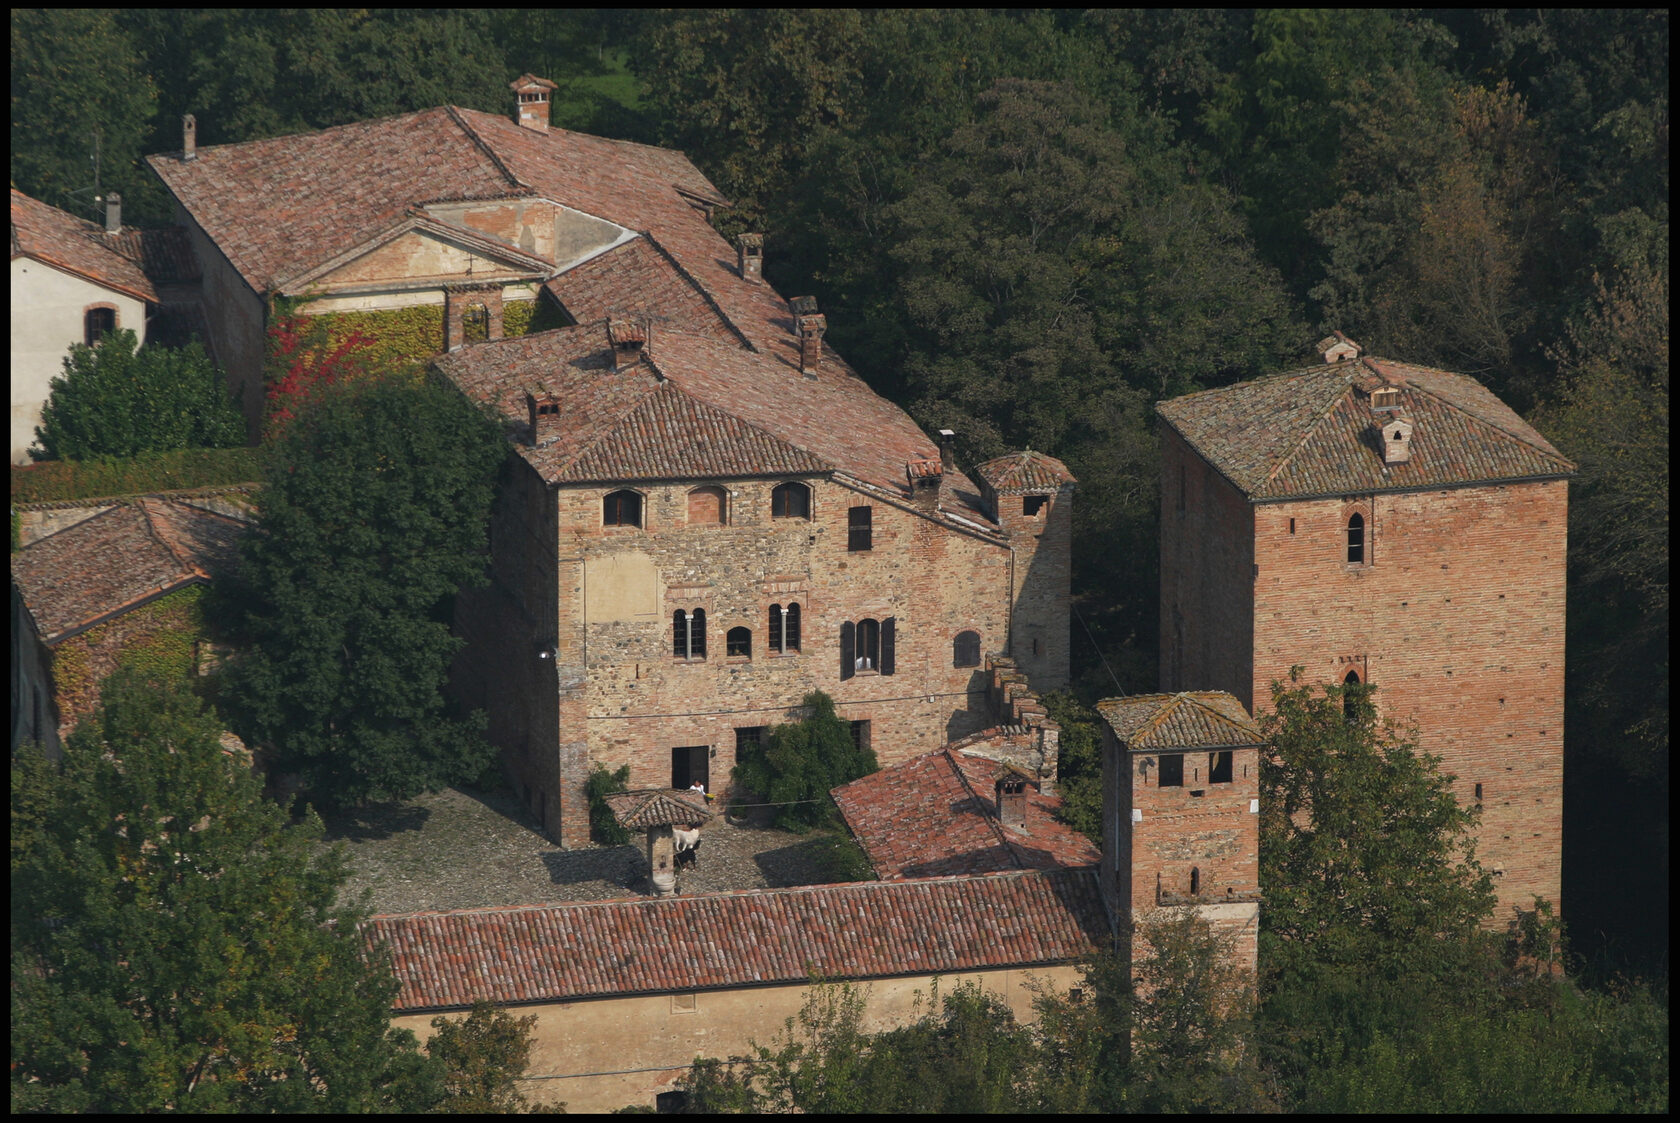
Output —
(596, 1055)
(48, 306)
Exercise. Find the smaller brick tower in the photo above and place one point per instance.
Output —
(1030, 495)
(1181, 813)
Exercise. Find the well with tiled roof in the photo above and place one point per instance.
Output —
(50, 235)
(121, 558)
(562, 952)
(1197, 719)
(936, 815)
(1309, 432)
(658, 807)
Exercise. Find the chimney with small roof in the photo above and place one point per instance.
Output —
(113, 213)
(1012, 801)
(947, 458)
(751, 250)
(531, 101)
(810, 326)
(1338, 348)
(189, 138)
(544, 409)
(626, 340)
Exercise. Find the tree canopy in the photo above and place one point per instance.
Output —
(374, 513)
(796, 764)
(115, 401)
(176, 942)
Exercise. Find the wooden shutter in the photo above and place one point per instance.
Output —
(848, 650)
(888, 633)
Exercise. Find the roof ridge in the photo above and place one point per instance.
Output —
(607, 429)
(711, 301)
(1549, 453)
(484, 147)
(164, 536)
(993, 823)
(1309, 431)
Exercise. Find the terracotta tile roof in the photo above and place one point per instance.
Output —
(1202, 719)
(119, 559)
(50, 235)
(936, 815)
(164, 255)
(1309, 432)
(658, 807)
(638, 280)
(563, 952)
(723, 410)
(1018, 472)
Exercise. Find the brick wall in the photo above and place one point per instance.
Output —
(1456, 613)
(1207, 565)
(1043, 580)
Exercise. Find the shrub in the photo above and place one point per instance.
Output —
(603, 824)
(797, 764)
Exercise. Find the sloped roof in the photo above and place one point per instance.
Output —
(1309, 432)
(119, 559)
(639, 281)
(50, 235)
(163, 253)
(658, 807)
(1018, 472)
(563, 952)
(936, 815)
(720, 410)
(1201, 719)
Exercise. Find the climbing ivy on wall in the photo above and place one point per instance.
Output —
(159, 639)
(400, 336)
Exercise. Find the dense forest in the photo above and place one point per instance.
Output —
(1029, 226)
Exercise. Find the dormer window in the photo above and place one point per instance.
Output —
(1386, 398)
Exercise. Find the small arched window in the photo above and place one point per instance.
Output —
(1356, 539)
(622, 508)
(97, 323)
(790, 501)
(738, 643)
(1350, 697)
(965, 650)
(1195, 881)
(784, 628)
(688, 634)
(708, 506)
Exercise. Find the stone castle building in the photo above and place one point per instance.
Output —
(1377, 522)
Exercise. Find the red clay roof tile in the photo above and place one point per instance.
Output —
(50, 235)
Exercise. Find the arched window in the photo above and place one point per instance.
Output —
(688, 634)
(965, 650)
(98, 322)
(708, 506)
(622, 508)
(784, 628)
(790, 501)
(475, 323)
(738, 642)
(1195, 881)
(868, 645)
(1350, 697)
(1356, 539)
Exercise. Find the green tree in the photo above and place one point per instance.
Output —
(482, 1057)
(82, 108)
(112, 400)
(797, 764)
(1367, 857)
(177, 942)
(373, 515)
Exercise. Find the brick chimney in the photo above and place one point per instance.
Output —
(113, 213)
(189, 138)
(531, 101)
(1012, 802)
(1397, 439)
(947, 457)
(750, 247)
(924, 477)
(544, 411)
(810, 325)
(626, 340)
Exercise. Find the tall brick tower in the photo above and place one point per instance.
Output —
(1181, 812)
(1373, 521)
(1030, 495)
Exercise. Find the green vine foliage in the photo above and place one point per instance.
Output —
(160, 640)
(410, 336)
(604, 827)
(145, 474)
